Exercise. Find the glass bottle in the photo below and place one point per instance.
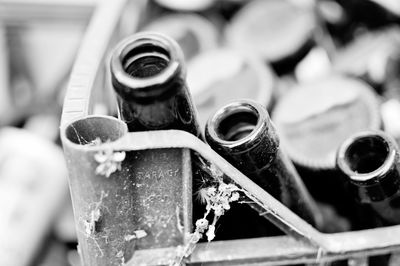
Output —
(148, 75)
(370, 162)
(244, 135)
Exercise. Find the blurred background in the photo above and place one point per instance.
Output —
(324, 69)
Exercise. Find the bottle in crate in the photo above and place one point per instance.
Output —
(148, 76)
(243, 133)
(370, 162)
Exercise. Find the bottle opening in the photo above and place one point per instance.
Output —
(367, 154)
(146, 65)
(146, 61)
(236, 126)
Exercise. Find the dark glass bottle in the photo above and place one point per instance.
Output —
(370, 162)
(148, 75)
(243, 134)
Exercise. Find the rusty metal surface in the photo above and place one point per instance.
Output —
(144, 203)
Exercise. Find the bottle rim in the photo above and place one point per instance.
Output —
(343, 162)
(248, 141)
(152, 85)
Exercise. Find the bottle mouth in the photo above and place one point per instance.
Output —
(144, 62)
(148, 63)
(238, 124)
(366, 156)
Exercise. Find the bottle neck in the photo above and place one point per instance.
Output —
(243, 134)
(370, 162)
(148, 74)
(147, 66)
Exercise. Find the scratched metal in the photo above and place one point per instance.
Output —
(161, 195)
(150, 193)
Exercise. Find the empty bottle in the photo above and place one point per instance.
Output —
(244, 135)
(148, 75)
(369, 160)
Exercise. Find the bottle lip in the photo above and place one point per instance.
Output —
(248, 141)
(146, 86)
(375, 175)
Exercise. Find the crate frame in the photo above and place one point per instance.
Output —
(302, 244)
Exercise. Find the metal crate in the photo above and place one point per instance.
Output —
(302, 244)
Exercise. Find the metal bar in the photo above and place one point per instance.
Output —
(90, 58)
(268, 250)
(282, 250)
